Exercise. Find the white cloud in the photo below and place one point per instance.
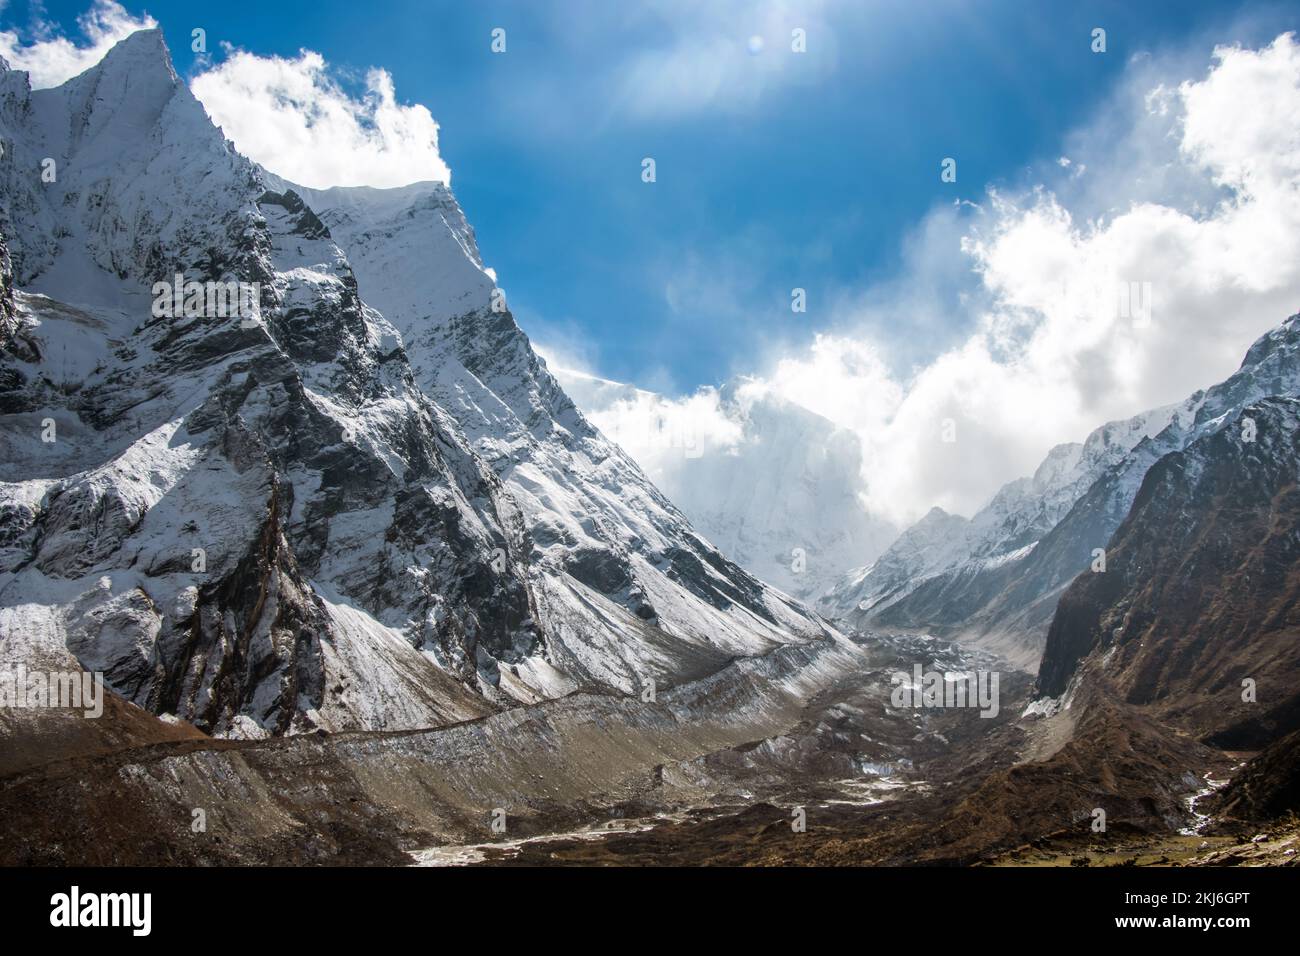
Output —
(661, 434)
(1063, 346)
(1250, 145)
(293, 117)
(1192, 187)
(53, 59)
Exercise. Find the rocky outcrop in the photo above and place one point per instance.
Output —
(356, 501)
(8, 318)
(1267, 787)
(997, 580)
(1197, 613)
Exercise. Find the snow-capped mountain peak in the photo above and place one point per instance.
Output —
(998, 578)
(365, 504)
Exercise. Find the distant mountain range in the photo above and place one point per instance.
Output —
(1197, 615)
(996, 579)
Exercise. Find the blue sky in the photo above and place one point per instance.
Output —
(810, 172)
(996, 305)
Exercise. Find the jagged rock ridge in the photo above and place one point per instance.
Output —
(1197, 613)
(366, 506)
(998, 578)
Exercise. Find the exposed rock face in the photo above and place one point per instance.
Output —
(361, 503)
(998, 580)
(609, 553)
(1268, 786)
(950, 575)
(7, 319)
(1201, 591)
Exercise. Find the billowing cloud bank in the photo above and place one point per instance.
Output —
(1167, 241)
(293, 117)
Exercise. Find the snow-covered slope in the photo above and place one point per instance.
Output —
(611, 553)
(934, 544)
(368, 505)
(1004, 530)
(1200, 589)
(1000, 582)
(781, 499)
